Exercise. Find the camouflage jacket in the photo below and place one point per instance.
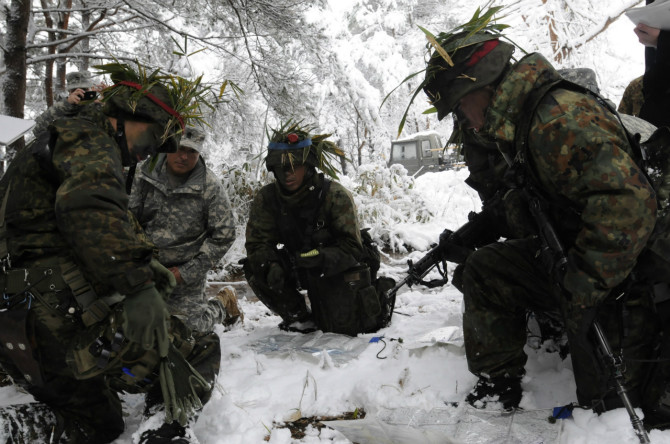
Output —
(578, 154)
(338, 237)
(632, 99)
(56, 111)
(72, 202)
(192, 225)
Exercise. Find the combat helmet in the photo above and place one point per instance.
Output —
(293, 144)
(462, 63)
(469, 57)
(166, 100)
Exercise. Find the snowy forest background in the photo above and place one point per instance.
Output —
(327, 62)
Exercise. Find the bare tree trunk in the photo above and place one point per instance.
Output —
(49, 64)
(14, 85)
(63, 24)
(85, 42)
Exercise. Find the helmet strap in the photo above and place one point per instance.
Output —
(120, 137)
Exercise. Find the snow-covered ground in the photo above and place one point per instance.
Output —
(269, 377)
(410, 379)
(265, 381)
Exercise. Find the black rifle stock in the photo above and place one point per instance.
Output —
(553, 256)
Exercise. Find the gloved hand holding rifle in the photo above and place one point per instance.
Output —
(454, 246)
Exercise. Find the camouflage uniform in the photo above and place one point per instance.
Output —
(192, 226)
(338, 232)
(603, 209)
(633, 98)
(56, 111)
(68, 206)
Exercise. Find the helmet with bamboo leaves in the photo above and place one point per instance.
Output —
(462, 63)
(167, 100)
(293, 144)
(469, 57)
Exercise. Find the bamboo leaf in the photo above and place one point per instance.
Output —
(437, 46)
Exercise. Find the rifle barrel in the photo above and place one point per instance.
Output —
(638, 427)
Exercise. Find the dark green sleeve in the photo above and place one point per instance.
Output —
(262, 235)
(91, 210)
(346, 248)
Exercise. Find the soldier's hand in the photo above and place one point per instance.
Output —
(310, 259)
(164, 279)
(275, 276)
(75, 96)
(445, 239)
(647, 35)
(177, 275)
(145, 319)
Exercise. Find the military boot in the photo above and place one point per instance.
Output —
(503, 391)
(171, 433)
(228, 299)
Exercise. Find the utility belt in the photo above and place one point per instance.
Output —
(22, 284)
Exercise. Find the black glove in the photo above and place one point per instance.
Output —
(580, 321)
(451, 248)
(275, 276)
(310, 259)
(145, 319)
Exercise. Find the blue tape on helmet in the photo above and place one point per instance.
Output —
(289, 146)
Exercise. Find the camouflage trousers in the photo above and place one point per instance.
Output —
(503, 280)
(88, 406)
(191, 305)
(345, 303)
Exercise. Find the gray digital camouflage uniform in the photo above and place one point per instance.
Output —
(192, 225)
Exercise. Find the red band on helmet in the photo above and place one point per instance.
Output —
(486, 47)
(156, 100)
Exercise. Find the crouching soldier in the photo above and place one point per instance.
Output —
(303, 234)
(84, 315)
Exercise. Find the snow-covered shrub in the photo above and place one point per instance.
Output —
(386, 197)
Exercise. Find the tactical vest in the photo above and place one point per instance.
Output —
(353, 302)
(652, 156)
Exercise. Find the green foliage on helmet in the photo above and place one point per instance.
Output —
(293, 144)
(167, 100)
(453, 68)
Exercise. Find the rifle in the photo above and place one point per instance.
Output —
(616, 366)
(553, 256)
(454, 246)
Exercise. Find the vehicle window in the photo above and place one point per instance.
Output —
(404, 150)
(425, 147)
